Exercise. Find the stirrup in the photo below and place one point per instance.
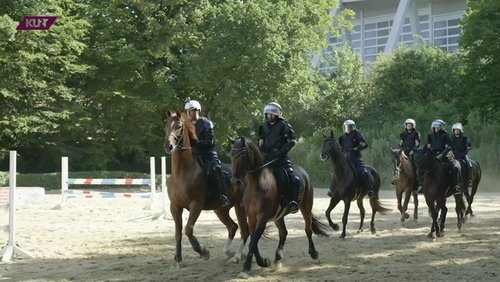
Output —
(224, 200)
(293, 207)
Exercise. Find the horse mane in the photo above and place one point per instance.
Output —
(256, 155)
(189, 126)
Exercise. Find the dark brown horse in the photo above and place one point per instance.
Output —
(262, 202)
(405, 181)
(436, 187)
(470, 190)
(189, 189)
(346, 186)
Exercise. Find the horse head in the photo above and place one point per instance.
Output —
(424, 158)
(331, 148)
(179, 132)
(245, 157)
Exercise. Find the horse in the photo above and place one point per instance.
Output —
(346, 186)
(436, 188)
(470, 191)
(189, 189)
(262, 202)
(405, 181)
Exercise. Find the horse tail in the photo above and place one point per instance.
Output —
(319, 228)
(377, 206)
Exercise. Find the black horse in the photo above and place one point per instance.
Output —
(470, 191)
(436, 184)
(347, 187)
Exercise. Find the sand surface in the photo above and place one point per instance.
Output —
(107, 240)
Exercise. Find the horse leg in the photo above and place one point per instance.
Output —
(442, 217)
(347, 205)
(334, 200)
(460, 210)
(415, 205)
(399, 197)
(306, 211)
(231, 226)
(194, 213)
(280, 224)
(405, 204)
(177, 216)
(434, 214)
(253, 249)
(244, 232)
(361, 213)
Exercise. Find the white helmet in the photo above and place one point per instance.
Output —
(438, 123)
(273, 108)
(347, 123)
(410, 121)
(458, 126)
(193, 104)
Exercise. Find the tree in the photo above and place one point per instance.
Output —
(35, 69)
(480, 43)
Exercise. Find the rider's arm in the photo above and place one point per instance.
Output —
(290, 139)
(206, 138)
(362, 143)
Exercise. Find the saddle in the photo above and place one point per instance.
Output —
(284, 185)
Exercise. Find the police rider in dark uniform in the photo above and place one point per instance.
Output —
(205, 147)
(276, 138)
(351, 143)
(409, 140)
(460, 146)
(439, 142)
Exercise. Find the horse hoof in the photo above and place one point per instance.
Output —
(205, 254)
(243, 275)
(230, 253)
(342, 236)
(279, 264)
(360, 230)
(314, 255)
(335, 227)
(431, 235)
(407, 216)
(374, 231)
(266, 262)
(441, 234)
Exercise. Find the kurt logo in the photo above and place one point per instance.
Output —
(36, 23)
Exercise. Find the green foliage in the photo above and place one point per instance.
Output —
(480, 44)
(35, 69)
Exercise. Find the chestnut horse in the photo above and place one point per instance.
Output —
(262, 202)
(346, 186)
(189, 189)
(405, 181)
(436, 187)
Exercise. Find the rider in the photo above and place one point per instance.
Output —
(352, 142)
(439, 142)
(205, 147)
(409, 139)
(276, 138)
(460, 146)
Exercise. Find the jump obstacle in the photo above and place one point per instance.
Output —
(67, 193)
(12, 248)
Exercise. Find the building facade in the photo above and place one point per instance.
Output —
(382, 25)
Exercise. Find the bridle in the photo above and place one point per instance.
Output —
(235, 152)
(178, 141)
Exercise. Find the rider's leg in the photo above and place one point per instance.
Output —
(366, 179)
(455, 179)
(294, 181)
(221, 183)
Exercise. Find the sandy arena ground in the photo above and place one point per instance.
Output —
(99, 241)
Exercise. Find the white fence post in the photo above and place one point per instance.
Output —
(164, 191)
(11, 248)
(153, 180)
